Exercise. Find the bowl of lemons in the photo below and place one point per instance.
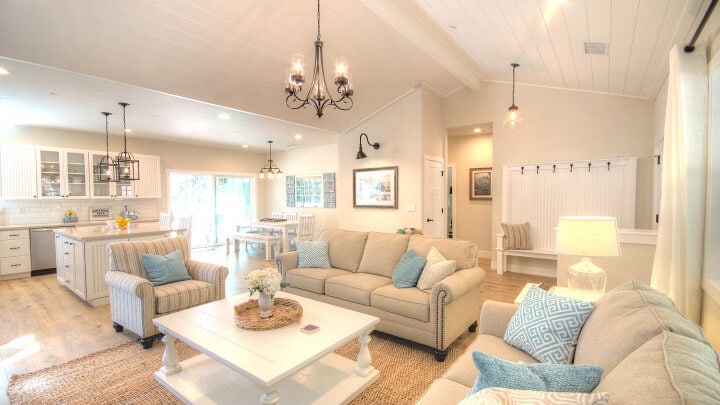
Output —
(122, 223)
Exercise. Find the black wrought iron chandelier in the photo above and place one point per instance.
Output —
(513, 118)
(128, 168)
(317, 94)
(106, 169)
(270, 170)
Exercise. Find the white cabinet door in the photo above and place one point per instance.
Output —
(149, 184)
(63, 173)
(17, 173)
(104, 190)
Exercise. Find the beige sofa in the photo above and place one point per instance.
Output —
(649, 352)
(360, 279)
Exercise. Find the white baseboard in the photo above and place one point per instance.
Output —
(532, 270)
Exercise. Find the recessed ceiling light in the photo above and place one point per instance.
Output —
(245, 146)
(128, 130)
(298, 137)
(4, 71)
(477, 130)
(224, 116)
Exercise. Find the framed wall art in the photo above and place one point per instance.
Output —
(375, 188)
(481, 183)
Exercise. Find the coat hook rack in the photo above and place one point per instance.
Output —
(522, 169)
(589, 166)
(554, 166)
(537, 170)
(608, 166)
(571, 166)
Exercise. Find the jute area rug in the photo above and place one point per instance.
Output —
(124, 375)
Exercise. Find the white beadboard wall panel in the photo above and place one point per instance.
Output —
(541, 193)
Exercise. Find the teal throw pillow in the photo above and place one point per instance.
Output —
(495, 372)
(313, 254)
(546, 326)
(408, 270)
(165, 269)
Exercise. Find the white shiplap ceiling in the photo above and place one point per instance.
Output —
(234, 54)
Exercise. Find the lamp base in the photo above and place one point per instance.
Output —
(585, 278)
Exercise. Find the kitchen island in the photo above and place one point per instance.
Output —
(81, 255)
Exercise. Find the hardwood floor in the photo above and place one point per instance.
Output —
(42, 323)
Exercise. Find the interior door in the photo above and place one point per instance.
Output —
(433, 199)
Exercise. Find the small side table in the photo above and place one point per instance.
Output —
(559, 291)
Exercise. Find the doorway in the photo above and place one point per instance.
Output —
(216, 202)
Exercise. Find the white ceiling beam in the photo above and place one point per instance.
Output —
(412, 23)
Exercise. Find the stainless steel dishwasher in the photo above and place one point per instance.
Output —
(42, 249)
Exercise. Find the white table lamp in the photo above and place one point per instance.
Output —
(587, 237)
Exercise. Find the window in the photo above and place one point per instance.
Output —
(309, 191)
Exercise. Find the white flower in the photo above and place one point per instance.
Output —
(267, 280)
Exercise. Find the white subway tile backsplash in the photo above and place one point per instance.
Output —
(51, 211)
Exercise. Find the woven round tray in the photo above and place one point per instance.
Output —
(285, 312)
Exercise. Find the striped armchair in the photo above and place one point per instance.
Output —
(134, 301)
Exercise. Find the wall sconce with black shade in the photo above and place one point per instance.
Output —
(361, 154)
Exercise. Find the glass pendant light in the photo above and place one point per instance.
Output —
(105, 170)
(128, 168)
(513, 118)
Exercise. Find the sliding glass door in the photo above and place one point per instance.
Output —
(217, 203)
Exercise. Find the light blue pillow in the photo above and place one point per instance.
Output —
(546, 326)
(313, 254)
(165, 269)
(495, 372)
(408, 270)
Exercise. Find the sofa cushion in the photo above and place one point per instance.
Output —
(312, 279)
(407, 272)
(355, 287)
(546, 325)
(624, 319)
(183, 294)
(345, 248)
(463, 371)
(313, 254)
(383, 252)
(501, 396)
(463, 252)
(669, 369)
(409, 302)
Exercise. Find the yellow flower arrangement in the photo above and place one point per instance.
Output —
(70, 213)
(122, 223)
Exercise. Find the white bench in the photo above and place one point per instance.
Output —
(502, 254)
(269, 241)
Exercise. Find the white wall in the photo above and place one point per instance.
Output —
(560, 125)
(473, 217)
(310, 160)
(398, 129)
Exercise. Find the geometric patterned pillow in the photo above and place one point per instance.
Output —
(313, 254)
(502, 396)
(545, 326)
(435, 274)
(517, 236)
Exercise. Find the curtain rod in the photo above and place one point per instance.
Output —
(691, 46)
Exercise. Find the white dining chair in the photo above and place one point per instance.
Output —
(291, 216)
(305, 228)
(185, 221)
(277, 215)
(165, 219)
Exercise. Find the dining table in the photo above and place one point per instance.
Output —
(272, 224)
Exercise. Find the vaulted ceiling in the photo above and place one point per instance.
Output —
(233, 55)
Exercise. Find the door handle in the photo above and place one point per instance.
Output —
(429, 220)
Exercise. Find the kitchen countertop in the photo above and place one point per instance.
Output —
(91, 233)
(68, 224)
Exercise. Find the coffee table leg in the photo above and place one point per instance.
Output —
(170, 356)
(269, 395)
(364, 368)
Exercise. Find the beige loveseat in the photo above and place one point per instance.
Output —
(649, 352)
(360, 279)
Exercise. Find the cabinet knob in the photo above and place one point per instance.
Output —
(15, 248)
(67, 267)
(14, 234)
(14, 265)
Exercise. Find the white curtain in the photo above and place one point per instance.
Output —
(677, 270)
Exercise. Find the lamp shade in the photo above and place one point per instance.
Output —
(588, 236)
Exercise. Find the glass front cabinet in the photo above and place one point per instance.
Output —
(62, 173)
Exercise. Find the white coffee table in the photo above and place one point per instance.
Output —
(284, 365)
